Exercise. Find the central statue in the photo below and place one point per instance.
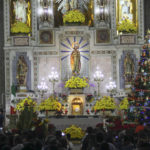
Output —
(75, 59)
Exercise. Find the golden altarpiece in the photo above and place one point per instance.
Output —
(36, 36)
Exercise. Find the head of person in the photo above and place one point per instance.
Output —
(76, 46)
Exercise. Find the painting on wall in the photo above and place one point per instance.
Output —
(20, 17)
(46, 37)
(102, 36)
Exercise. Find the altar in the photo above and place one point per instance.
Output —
(43, 52)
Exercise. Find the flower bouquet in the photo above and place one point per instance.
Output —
(27, 102)
(126, 26)
(76, 82)
(73, 16)
(124, 104)
(75, 132)
(50, 104)
(106, 103)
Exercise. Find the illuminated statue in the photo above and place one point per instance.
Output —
(126, 10)
(67, 5)
(20, 7)
(128, 68)
(73, 4)
(75, 60)
(22, 69)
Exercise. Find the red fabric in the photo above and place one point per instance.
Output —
(12, 110)
(139, 128)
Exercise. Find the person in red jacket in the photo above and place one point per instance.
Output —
(139, 128)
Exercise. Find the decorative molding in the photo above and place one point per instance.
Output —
(21, 41)
(127, 39)
(46, 37)
(7, 72)
(102, 36)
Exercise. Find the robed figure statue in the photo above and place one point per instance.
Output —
(75, 59)
(128, 68)
(22, 69)
(20, 7)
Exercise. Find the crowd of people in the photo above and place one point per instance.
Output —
(95, 139)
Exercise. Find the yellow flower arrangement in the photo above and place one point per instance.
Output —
(126, 26)
(124, 104)
(106, 103)
(76, 82)
(50, 104)
(20, 27)
(74, 16)
(26, 102)
(75, 132)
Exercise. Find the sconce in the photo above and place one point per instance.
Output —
(45, 11)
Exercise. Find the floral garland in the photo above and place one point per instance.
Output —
(27, 102)
(74, 16)
(75, 132)
(50, 104)
(76, 82)
(105, 103)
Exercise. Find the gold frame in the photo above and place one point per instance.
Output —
(134, 11)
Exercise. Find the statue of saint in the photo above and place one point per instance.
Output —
(128, 68)
(126, 10)
(22, 69)
(73, 4)
(20, 7)
(75, 59)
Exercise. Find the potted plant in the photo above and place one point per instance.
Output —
(27, 112)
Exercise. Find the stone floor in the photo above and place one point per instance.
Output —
(62, 123)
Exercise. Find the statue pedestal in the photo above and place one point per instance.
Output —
(22, 89)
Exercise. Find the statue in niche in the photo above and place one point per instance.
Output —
(22, 69)
(126, 10)
(75, 59)
(67, 5)
(128, 68)
(20, 7)
(73, 4)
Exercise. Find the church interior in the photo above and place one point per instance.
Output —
(78, 60)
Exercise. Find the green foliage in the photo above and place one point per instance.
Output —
(26, 118)
(126, 26)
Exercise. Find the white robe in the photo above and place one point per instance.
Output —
(20, 11)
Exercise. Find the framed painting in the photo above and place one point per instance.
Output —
(46, 37)
(20, 17)
(102, 36)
